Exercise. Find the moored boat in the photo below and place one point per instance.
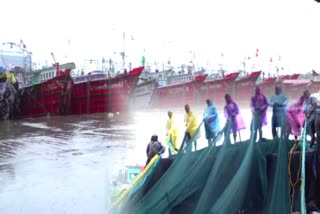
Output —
(215, 89)
(294, 88)
(50, 97)
(142, 94)
(98, 93)
(244, 88)
(267, 86)
(177, 95)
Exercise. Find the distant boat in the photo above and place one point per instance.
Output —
(142, 94)
(177, 95)
(145, 92)
(41, 92)
(98, 93)
(294, 88)
(244, 88)
(41, 75)
(267, 86)
(15, 55)
(215, 89)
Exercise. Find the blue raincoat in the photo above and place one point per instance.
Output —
(211, 121)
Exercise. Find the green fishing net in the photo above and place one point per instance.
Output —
(244, 177)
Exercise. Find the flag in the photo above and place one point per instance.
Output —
(314, 73)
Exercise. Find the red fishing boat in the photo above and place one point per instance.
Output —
(177, 95)
(244, 88)
(215, 89)
(294, 88)
(267, 86)
(97, 93)
(50, 97)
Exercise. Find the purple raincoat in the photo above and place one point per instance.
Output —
(295, 117)
(232, 110)
(259, 106)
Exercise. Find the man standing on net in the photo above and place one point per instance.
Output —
(192, 126)
(153, 148)
(172, 133)
(211, 121)
(232, 115)
(295, 118)
(309, 110)
(259, 106)
(278, 102)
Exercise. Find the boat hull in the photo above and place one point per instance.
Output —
(294, 88)
(216, 89)
(268, 86)
(51, 97)
(142, 95)
(244, 88)
(105, 94)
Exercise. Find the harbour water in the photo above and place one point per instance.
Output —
(67, 164)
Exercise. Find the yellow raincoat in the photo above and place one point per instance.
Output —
(172, 132)
(192, 123)
(11, 77)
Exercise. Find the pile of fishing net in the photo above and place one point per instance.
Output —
(271, 176)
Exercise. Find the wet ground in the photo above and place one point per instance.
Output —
(66, 164)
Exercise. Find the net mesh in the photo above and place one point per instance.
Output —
(244, 177)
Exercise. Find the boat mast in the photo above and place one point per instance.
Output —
(123, 50)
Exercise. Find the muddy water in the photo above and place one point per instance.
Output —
(66, 164)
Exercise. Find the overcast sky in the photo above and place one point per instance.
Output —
(167, 29)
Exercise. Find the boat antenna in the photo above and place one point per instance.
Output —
(123, 50)
(53, 58)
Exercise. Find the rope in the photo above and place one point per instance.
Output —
(293, 185)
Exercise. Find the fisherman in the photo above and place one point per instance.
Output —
(295, 118)
(172, 132)
(309, 110)
(11, 77)
(153, 148)
(278, 102)
(192, 126)
(232, 114)
(211, 121)
(259, 106)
